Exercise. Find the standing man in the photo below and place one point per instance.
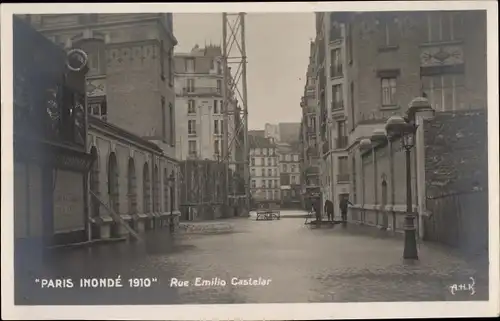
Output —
(329, 210)
(344, 203)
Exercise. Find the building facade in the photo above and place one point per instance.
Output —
(290, 177)
(385, 60)
(264, 170)
(131, 102)
(199, 83)
(309, 132)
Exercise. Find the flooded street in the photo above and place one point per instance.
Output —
(280, 261)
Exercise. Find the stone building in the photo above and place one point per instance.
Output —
(131, 103)
(200, 105)
(370, 65)
(389, 58)
(290, 175)
(308, 136)
(264, 169)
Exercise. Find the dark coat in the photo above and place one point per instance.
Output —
(328, 206)
(343, 204)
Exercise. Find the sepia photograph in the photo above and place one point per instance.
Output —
(181, 157)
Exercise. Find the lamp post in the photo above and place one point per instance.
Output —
(171, 180)
(405, 129)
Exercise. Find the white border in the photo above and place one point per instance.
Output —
(306, 311)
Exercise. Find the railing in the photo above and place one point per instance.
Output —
(344, 178)
(341, 142)
(201, 91)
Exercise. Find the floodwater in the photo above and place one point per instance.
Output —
(287, 261)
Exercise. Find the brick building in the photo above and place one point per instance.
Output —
(131, 100)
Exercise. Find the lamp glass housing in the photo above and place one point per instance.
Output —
(408, 140)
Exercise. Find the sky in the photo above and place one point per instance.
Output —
(277, 47)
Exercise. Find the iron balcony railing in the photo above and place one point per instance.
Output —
(201, 91)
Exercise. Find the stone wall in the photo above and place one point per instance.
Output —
(456, 152)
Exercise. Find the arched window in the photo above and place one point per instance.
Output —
(94, 183)
(113, 184)
(146, 193)
(131, 187)
(156, 190)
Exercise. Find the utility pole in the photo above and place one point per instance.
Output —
(234, 91)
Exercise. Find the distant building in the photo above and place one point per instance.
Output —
(200, 106)
(283, 132)
(290, 177)
(264, 170)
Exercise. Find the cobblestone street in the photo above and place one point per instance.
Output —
(303, 264)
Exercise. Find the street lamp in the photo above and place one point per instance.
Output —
(405, 128)
(171, 180)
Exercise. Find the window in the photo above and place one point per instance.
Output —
(263, 184)
(252, 160)
(274, 162)
(335, 63)
(269, 172)
(337, 99)
(221, 106)
(163, 120)
(189, 64)
(191, 107)
(287, 157)
(293, 168)
(270, 195)
(262, 161)
(276, 195)
(265, 151)
(275, 172)
(335, 32)
(192, 147)
(216, 107)
(253, 172)
(170, 57)
(343, 165)
(171, 115)
(253, 183)
(263, 171)
(388, 91)
(445, 92)
(444, 26)
(216, 147)
(285, 168)
(219, 68)
(162, 60)
(293, 179)
(216, 126)
(269, 162)
(221, 126)
(388, 28)
(192, 127)
(351, 103)
(190, 85)
(97, 107)
(269, 184)
(219, 86)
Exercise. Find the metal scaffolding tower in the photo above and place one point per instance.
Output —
(235, 146)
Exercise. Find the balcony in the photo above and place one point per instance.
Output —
(343, 178)
(341, 142)
(200, 91)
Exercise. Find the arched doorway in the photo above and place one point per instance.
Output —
(131, 188)
(94, 189)
(146, 193)
(156, 190)
(113, 185)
